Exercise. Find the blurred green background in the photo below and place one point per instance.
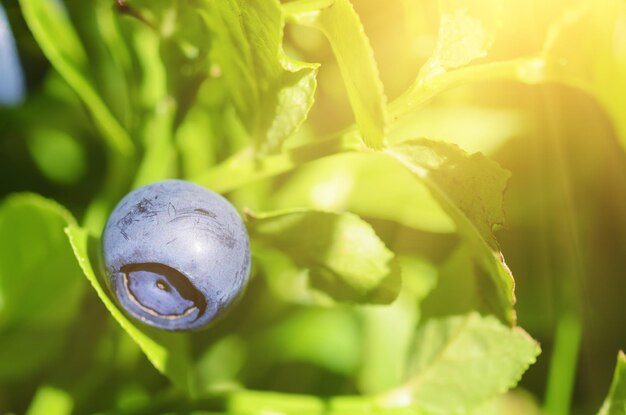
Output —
(564, 239)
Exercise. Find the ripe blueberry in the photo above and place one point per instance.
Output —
(176, 255)
(12, 89)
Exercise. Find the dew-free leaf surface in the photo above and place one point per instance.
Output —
(40, 288)
(338, 21)
(167, 351)
(54, 32)
(470, 189)
(341, 255)
(459, 363)
(272, 92)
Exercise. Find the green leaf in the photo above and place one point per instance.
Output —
(57, 155)
(50, 401)
(470, 189)
(473, 128)
(343, 258)
(516, 402)
(327, 337)
(585, 49)
(40, 284)
(461, 287)
(615, 403)
(467, 29)
(272, 92)
(461, 362)
(338, 21)
(253, 403)
(353, 182)
(168, 352)
(53, 31)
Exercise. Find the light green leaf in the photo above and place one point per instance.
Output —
(50, 401)
(40, 284)
(254, 403)
(473, 128)
(53, 31)
(272, 93)
(353, 182)
(168, 352)
(342, 256)
(467, 29)
(461, 362)
(470, 189)
(58, 155)
(338, 21)
(515, 402)
(327, 337)
(615, 403)
(586, 49)
(220, 363)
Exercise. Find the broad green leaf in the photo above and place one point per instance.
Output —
(40, 284)
(467, 29)
(473, 128)
(461, 362)
(341, 255)
(342, 26)
(168, 352)
(353, 182)
(586, 49)
(272, 92)
(53, 31)
(615, 403)
(470, 189)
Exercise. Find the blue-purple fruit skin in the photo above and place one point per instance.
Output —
(12, 89)
(176, 255)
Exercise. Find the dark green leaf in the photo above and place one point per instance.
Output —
(470, 189)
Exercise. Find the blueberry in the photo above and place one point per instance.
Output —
(176, 255)
(12, 87)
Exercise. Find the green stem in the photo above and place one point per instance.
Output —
(423, 90)
(243, 168)
(563, 365)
